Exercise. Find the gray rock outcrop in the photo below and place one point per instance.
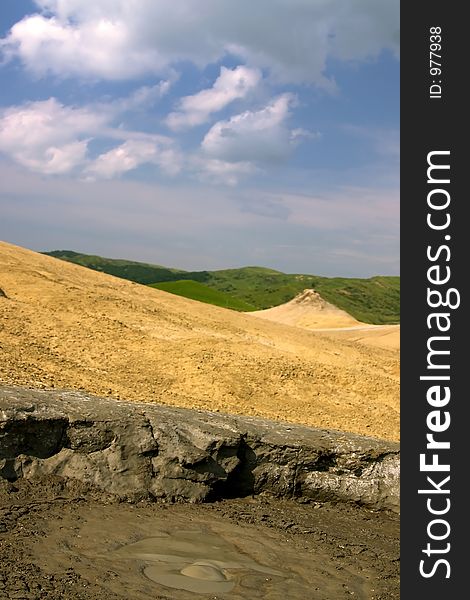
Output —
(141, 450)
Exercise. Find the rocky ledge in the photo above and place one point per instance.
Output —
(140, 450)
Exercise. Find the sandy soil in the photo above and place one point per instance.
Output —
(380, 336)
(65, 326)
(59, 541)
(308, 310)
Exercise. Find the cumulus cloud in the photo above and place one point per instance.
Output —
(130, 155)
(122, 39)
(230, 85)
(95, 48)
(46, 136)
(51, 138)
(253, 135)
(241, 145)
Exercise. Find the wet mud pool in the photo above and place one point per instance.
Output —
(58, 542)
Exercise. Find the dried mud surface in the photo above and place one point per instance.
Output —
(57, 537)
(65, 326)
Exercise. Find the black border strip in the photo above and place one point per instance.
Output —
(433, 120)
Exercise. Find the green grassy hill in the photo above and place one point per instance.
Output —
(259, 286)
(374, 300)
(198, 291)
(126, 269)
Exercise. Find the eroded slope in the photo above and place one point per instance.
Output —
(62, 325)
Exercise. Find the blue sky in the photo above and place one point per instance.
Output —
(203, 135)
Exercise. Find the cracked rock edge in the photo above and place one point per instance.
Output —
(143, 451)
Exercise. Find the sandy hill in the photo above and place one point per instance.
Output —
(379, 336)
(62, 325)
(309, 310)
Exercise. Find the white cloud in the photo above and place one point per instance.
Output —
(230, 85)
(130, 155)
(121, 39)
(252, 135)
(51, 138)
(95, 48)
(54, 139)
(46, 136)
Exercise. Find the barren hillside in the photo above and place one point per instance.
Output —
(310, 311)
(62, 325)
(378, 336)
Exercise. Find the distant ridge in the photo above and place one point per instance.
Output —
(375, 300)
(126, 269)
